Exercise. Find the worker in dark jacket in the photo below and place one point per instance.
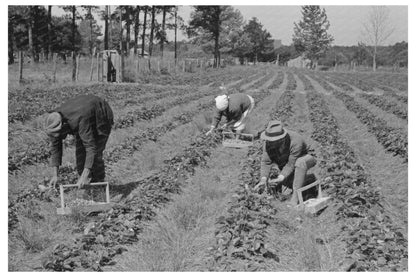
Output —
(235, 108)
(289, 151)
(89, 119)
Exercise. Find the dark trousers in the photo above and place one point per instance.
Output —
(98, 169)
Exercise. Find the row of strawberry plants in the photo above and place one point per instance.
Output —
(28, 103)
(241, 234)
(124, 223)
(36, 153)
(128, 147)
(386, 105)
(366, 86)
(372, 239)
(392, 139)
(278, 81)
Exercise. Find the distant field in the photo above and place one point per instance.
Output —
(185, 203)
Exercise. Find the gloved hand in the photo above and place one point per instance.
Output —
(261, 184)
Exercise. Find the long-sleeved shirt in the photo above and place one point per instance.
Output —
(238, 103)
(88, 117)
(285, 156)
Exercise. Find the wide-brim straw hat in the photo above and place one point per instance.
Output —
(274, 131)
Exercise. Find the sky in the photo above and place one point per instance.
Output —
(346, 22)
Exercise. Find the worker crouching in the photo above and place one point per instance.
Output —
(236, 108)
(289, 151)
(89, 119)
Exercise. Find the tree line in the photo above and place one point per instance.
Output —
(220, 31)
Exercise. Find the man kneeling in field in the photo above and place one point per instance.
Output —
(289, 151)
(236, 108)
(90, 119)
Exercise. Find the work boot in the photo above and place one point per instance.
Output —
(298, 182)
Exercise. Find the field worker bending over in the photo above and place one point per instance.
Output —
(235, 107)
(89, 119)
(289, 151)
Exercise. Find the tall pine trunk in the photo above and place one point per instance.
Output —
(152, 29)
(49, 47)
(162, 41)
(136, 28)
(106, 28)
(74, 56)
(144, 29)
(128, 23)
(11, 45)
(176, 32)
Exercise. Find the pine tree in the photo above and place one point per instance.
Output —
(311, 37)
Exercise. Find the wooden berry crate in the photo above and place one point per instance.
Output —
(229, 139)
(313, 205)
(85, 206)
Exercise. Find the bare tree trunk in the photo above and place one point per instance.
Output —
(121, 50)
(74, 56)
(30, 36)
(162, 41)
(136, 28)
(106, 28)
(11, 44)
(128, 23)
(144, 29)
(374, 58)
(49, 54)
(176, 33)
(20, 67)
(152, 29)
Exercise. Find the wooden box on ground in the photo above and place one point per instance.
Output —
(88, 206)
(313, 205)
(229, 139)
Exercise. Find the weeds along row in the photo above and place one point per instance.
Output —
(122, 225)
(35, 153)
(392, 139)
(241, 234)
(373, 241)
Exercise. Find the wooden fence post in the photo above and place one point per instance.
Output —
(20, 67)
(98, 66)
(158, 66)
(183, 68)
(149, 64)
(138, 66)
(92, 64)
(55, 59)
(77, 63)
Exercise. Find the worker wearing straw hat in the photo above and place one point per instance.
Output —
(90, 119)
(289, 151)
(236, 108)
